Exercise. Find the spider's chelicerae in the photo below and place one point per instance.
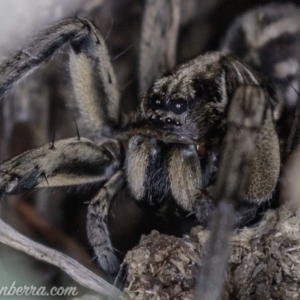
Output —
(213, 131)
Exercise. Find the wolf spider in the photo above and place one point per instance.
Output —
(210, 132)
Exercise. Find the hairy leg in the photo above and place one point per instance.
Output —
(91, 70)
(245, 118)
(66, 162)
(97, 223)
(94, 81)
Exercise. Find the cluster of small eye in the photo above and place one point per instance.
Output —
(178, 107)
(160, 120)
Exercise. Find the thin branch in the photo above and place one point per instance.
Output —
(83, 276)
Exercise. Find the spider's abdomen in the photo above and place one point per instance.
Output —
(268, 39)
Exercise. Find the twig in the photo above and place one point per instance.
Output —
(83, 276)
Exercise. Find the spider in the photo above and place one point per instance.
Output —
(211, 128)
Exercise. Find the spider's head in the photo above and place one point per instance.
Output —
(189, 104)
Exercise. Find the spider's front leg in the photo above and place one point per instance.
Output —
(264, 175)
(91, 71)
(68, 162)
(246, 115)
(98, 233)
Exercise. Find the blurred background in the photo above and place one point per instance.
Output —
(42, 104)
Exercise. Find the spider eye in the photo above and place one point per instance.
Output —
(156, 102)
(178, 107)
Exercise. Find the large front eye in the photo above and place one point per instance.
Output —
(178, 107)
